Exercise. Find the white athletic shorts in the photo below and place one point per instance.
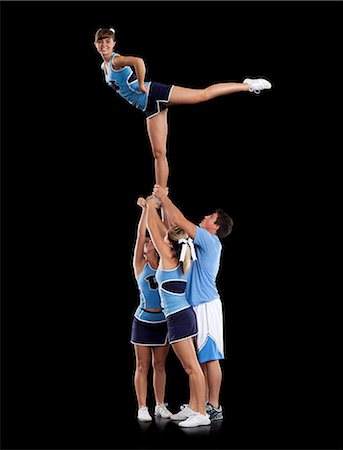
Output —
(210, 338)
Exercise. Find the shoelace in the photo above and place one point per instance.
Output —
(163, 405)
(255, 91)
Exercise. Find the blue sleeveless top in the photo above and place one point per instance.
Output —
(124, 82)
(149, 296)
(172, 288)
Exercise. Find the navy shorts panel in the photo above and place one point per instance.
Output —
(144, 333)
(182, 325)
(157, 99)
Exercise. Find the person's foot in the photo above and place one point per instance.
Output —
(214, 413)
(184, 413)
(257, 85)
(161, 410)
(195, 420)
(143, 414)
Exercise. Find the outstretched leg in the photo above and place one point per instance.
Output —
(157, 127)
(181, 95)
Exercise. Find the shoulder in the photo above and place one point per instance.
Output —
(201, 233)
(116, 60)
(202, 236)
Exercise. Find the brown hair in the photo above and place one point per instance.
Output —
(103, 33)
(225, 224)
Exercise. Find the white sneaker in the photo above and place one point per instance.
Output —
(257, 85)
(161, 410)
(184, 413)
(195, 420)
(143, 414)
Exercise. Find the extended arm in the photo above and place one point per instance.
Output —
(163, 224)
(137, 63)
(154, 223)
(138, 258)
(175, 216)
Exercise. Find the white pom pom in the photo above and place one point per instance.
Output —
(113, 30)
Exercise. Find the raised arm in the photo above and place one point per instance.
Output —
(163, 225)
(137, 63)
(166, 219)
(173, 213)
(154, 224)
(138, 253)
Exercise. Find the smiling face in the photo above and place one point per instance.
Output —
(105, 41)
(105, 46)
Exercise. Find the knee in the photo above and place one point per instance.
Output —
(190, 369)
(159, 366)
(202, 96)
(143, 366)
(194, 370)
(159, 151)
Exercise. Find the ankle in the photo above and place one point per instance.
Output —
(215, 405)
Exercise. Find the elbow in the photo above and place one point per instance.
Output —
(140, 62)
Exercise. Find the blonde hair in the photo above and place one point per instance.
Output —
(174, 234)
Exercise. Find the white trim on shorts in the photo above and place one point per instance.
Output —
(158, 106)
(210, 324)
(182, 339)
(152, 345)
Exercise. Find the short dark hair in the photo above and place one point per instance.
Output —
(104, 33)
(225, 223)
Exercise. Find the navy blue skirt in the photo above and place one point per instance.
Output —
(150, 334)
(182, 325)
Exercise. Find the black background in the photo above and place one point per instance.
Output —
(74, 160)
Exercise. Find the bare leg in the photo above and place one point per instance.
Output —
(182, 96)
(157, 127)
(185, 351)
(204, 369)
(214, 378)
(159, 377)
(143, 358)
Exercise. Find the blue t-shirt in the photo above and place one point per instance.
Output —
(201, 285)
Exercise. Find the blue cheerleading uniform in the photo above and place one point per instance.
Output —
(181, 320)
(124, 82)
(149, 296)
(172, 288)
(148, 328)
